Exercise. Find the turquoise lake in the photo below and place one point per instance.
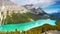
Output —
(26, 26)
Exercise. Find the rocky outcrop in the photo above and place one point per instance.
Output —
(7, 6)
(34, 9)
(10, 6)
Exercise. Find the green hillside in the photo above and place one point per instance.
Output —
(20, 18)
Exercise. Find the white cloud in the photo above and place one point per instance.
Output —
(46, 3)
(42, 3)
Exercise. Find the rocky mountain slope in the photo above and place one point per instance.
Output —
(10, 7)
(34, 9)
(14, 13)
(7, 5)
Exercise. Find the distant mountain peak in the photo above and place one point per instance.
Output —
(55, 15)
(34, 9)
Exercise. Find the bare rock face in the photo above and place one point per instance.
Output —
(10, 6)
(34, 9)
(7, 5)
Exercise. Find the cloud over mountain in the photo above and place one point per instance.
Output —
(42, 3)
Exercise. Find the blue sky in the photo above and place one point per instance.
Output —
(53, 8)
(49, 6)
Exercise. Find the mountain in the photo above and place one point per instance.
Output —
(7, 6)
(55, 15)
(20, 18)
(13, 13)
(36, 10)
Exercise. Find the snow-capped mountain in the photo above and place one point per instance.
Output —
(34, 9)
(29, 12)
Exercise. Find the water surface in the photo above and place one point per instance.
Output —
(26, 26)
